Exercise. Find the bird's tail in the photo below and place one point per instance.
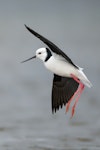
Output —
(83, 78)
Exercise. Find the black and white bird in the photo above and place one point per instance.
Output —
(69, 79)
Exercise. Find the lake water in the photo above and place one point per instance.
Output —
(26, 120)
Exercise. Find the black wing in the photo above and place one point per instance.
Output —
(62, 91)
(51, 45)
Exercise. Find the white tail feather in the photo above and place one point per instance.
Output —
(83, 78)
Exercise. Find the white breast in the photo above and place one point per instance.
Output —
(60, 67)
(63, 68)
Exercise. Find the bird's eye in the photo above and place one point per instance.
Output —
(39, 53)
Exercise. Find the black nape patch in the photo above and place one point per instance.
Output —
(49, 54)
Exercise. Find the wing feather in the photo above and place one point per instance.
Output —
(62, 90)
(51, 45)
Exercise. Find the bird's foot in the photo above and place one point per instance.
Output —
(77, 94)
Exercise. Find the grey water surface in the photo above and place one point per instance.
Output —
(26, 120)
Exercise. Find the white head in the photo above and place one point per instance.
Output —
(42, 53)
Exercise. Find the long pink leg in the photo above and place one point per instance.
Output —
(69, 102)
(80, 89)
(78, 93)
(78, 96)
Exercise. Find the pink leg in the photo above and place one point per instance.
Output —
(69, 102)
(78, 93)
(81, 88)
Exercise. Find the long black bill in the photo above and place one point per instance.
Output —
(28, 59)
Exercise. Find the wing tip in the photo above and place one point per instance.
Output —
(55, 109)
(26, 26)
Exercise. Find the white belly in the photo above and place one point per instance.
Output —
(65, 69)
(60, 67)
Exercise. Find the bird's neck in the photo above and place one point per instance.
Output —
(49, 54)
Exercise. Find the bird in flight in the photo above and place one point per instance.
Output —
(69, 79)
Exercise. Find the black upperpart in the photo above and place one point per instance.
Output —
(63, 89)
(51, 45)
(49, 54)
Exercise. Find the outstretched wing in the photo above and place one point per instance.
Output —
(51, 45)
(62, 90)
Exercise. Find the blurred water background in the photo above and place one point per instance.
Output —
(26, 121)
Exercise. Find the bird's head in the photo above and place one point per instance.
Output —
(41, 53)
